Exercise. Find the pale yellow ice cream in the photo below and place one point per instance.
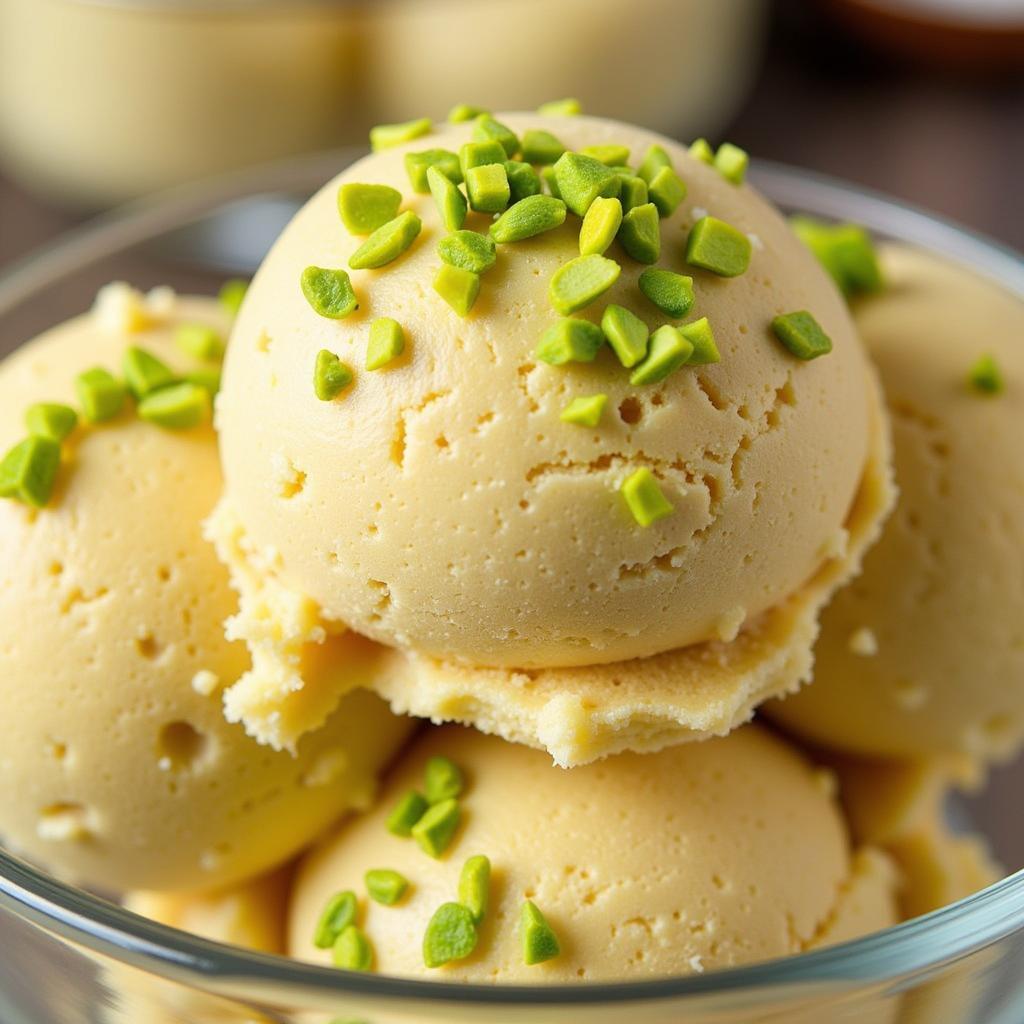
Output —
(924, 653)
(119, 768)
(699, 857)
(441, 507)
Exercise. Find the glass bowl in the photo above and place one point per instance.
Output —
(72, 957)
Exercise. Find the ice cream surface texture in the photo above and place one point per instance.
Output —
(119, 768)
(924, 653)
(441, 506)
(701, 856)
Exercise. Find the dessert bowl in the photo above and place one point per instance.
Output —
(72, 956)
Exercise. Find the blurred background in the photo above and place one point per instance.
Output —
(102, 101)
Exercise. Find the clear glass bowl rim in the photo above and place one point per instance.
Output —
(914, 947)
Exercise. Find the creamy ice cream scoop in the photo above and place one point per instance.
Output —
(441, 505)
(119, 767)
(701, 856)
(924, 653)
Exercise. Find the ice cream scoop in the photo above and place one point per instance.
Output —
(924, 653)
(442, 505)
(701, 856)
(119, 767)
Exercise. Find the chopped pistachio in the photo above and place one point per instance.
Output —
(451, 203)
(579, 282)
(462, 112)
(385, 886)
(442, 779)
(672, 293)
(654, 160)
(667, 351)
(610, 154)
(538, 937)
(640, 233)
(206, 377)
(644, 498)
(143, 372)
(330, 376)
(384, 136)
(178, 407)
(386, 344)
(700, 149)
(480, 154)
(339, 913)
(626, 333)
(436, 829)
(485, 129)
(732, 162)
(802, 335)
(50, 419)
(469, 250)
(458, 287)
(541, 147)
(716, 246)
(352, 950)
(581, 179)
(570, 341)
(231, 295)
(523, 180)
(547, 175)
(585, 411)
(600, 226)
(986, 376)
(666, 190)
(29, 470)
(569, 107)
(200, 341)
(364, 208)
(417, 164)
(387, 243)
(451, 935)
(409, 809)
(634, 193)
(702, 338)
(845, 251)
(530, 216)
(488, 188)
(329, 292)
(474, 886)
(100, 395)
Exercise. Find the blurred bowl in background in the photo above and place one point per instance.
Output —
(105, 100)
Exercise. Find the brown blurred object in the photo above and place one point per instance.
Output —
(940, 36)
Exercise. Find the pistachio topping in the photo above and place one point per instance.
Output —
(523, 180)
(640, 233)
(718, 247)
(442, 780)
(626, 333)
(488, 188)
(633, 193)
(451, 203)
(436, 829)
(339, 913)
(143, 372)
(409, 809)
(352, 950)
(50, 419)
(569, 107)
(480, 154)
(530, 216)
(100, 395)
(644, 497)
(700, 149)
(485, 128)
(579, 282)
(732, 162)
(384, 136)
(386, 344)
(582, 179)
(666, 190)
(845, 251)
(387, 243)
(702, 338)
(364, 208)
(584, 410)
(469, 250)
(385, 886)
(329, 292)
(672, 293)
(417, 165)
(458, 287)
(178, 407)
(475, 885)
(668, 350)
(610, 154)
(570, 341)
(28, 471)
(986, 376)
(654, 160)
(540, 943)
(200, 341)
(451, 935)
(600, 226)
(330, 376)
(541, 147)
(231, 295)
(802, 335)
(463, 112)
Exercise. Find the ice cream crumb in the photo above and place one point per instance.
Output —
(63, 822)
(328, 768)
(863, 642)
(838, 545)
(910, 695)
(121, 309)
(205, 682)
(755, 241)
(825, 779)
(160, 302)
(696, 963)
(729, 624)
(164, 764)
(698, 212)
